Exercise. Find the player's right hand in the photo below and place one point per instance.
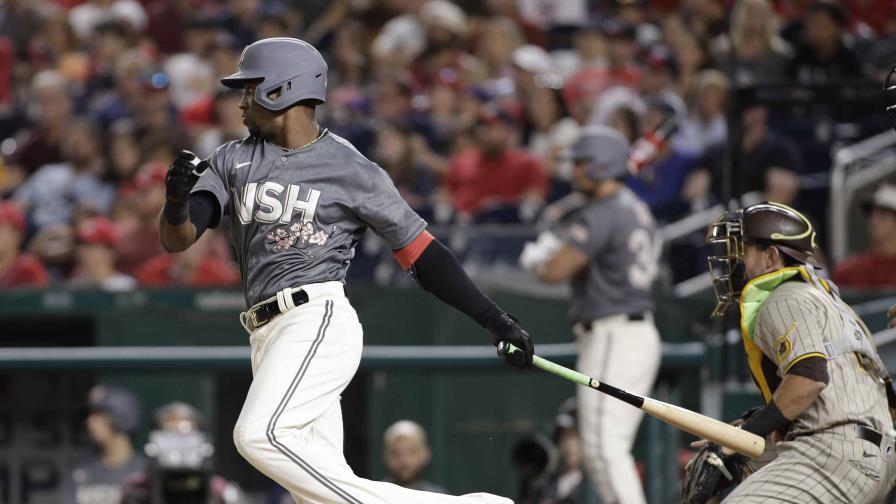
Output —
(182, 176)
(506, 329)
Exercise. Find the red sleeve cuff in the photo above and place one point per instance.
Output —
(411, 252)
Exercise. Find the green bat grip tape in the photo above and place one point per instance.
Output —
(557, 369)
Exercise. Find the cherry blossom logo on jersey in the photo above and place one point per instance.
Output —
(303, 233)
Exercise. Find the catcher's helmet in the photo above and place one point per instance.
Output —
(605, 150)
(768, 223)
(288, 65)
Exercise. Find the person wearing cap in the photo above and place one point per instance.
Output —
(406, 454)
(875, 267)
(196, 267)
(138, 233)
(495, 174)
(663, 168)
(566, 484)
(608, 251)
(96, 253)
(17, 269)
(706, 123)
(112, 421)
(769, 163)
(823, 57)
(659, 78)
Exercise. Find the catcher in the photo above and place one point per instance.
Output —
(828, 396)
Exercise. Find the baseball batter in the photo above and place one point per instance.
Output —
(608, 251)
(298, 199)
(825, 387)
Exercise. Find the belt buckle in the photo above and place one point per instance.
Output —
(253, 318)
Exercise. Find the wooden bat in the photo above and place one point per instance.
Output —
(703, 426)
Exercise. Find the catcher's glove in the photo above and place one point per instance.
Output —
(710, 472)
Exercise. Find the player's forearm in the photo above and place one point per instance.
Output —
(176, 238)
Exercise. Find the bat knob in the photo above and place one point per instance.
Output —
(502, 348)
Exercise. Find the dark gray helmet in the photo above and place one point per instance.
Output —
(288, 65)
(121, 406)
(605, 150)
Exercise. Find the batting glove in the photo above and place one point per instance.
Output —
(182, 176)
(505, 328)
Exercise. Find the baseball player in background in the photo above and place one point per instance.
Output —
(827, 394)
(298, 199)
(608, 251)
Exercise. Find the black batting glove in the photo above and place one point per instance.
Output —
(505, 329)
(182, 176)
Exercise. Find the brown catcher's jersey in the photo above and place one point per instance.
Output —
(801, 319)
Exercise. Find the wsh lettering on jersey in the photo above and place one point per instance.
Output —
(270, 202)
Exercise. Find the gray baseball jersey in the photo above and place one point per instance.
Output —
(796, 322)
(93, 483)
(297, 214)
(618, 235)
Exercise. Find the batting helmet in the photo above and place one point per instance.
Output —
(767, 223)
(890, 95)
(605, 151)
(288, 65)
(119, 404)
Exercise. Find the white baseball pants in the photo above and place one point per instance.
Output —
(627, 355)
(290, 427)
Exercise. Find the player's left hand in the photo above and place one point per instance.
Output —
(506, 329)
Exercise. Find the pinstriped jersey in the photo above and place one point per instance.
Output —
(799, 321)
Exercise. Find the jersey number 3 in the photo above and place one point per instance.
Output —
(643, 268)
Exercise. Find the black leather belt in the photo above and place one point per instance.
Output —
(262, 313)
(869, 434)
(632, 317)
(862, 432)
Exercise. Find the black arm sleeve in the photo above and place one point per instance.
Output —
(439, 272)
(204, 211)
(813, 368)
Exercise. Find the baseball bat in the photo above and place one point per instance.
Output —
(703, 426)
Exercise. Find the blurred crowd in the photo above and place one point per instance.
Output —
(468, 105)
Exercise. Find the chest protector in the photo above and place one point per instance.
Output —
(852, 338)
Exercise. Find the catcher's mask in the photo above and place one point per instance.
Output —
(771, 224)
(727, 269)
(890, 95)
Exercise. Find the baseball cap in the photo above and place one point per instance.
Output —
(884, 197)
(532, 59)
(97, 230)
(120, 404)
(617, 28)
(496, 115)
(445, 14)
(151, 174)
(11, 214)
(659, 57)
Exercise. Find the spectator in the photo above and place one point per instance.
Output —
(768, 163)
(227, 120)
(823, 57)
(96, 255)
(495, 48)
(494, 175)
(875, 268)
(661, 179)
(54, 246)
(59, 191)
(123, 152)
(565, 485)
(17, 269)
(705, 124)
(348, 65)
(85, 17)
(406, 453)
(139, 233)
(753, 52)
(445, 28)
(551, 133)
(395, 152)
(113, 419)
(196, 267)
(659, 77)
(401, 39)
(49, 115)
